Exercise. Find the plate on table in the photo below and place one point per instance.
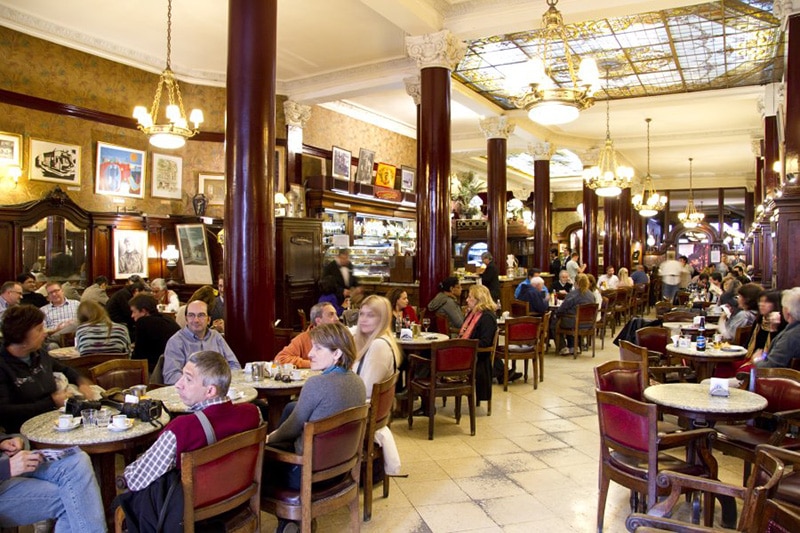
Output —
(75, 423)
(235, 394)
(732, 349)
(115, 429)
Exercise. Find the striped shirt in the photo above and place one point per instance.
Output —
(96, 338)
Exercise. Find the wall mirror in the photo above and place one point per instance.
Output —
(55, 247)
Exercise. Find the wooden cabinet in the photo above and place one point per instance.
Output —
(298, 265)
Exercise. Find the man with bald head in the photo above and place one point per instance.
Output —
(195, 337)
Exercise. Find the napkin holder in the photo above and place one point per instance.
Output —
(718, 387)
(406, 334)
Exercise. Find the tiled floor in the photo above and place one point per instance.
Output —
(532, 465)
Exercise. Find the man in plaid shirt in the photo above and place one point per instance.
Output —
(61, 314)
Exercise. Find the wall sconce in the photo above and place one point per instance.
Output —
(280, 204)
(171, 256)
(15, 173)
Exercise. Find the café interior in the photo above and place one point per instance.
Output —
(418, 135)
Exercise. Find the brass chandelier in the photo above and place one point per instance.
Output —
(691, 217)
(173, 132)
(608, 178)
(648, 203)
(546, 102)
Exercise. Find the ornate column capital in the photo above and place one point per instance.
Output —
(414, 88)
(783, 9)
(296, 114)
(541, 151)
(589, 157)
(440, 49)
(755, 146)
(497, 127)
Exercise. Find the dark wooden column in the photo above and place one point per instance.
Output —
(613, 227)
(792, 89)
(436, 54)
(625, 230)
(591, 235)
(768, 251)
(249, 210)
(787, 229)
(542, 208)
(771, 155)
(497, 131)
(748, 222)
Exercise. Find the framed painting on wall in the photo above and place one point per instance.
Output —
(167, 176)
(120, 171)
(407, 175)
(194, 254)
(366, 162)
(385, 175)
(280, 169)
(56, 162)
(10, 149)
(341, 163)
(213, 186)
(130, 253)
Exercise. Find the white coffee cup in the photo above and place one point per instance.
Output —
(119, 421)
(65, 421)
(297, 375)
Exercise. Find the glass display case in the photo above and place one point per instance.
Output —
(370, 262)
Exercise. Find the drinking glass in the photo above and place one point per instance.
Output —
(426, 323)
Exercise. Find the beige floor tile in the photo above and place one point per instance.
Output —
(466, 516)
(516, 462)
(497, 485)
(493, 446)
(467, 467)
(433, 492)
(562, 458)
(569, 411)
(533, 443)
(519, 509)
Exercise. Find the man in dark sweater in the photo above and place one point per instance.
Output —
(29, 294)
(153, 329)
(64, 490)
(119, 310)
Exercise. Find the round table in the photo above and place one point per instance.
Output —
(100, 443)
(674, 326)
(705, 361)
(67, 352)
(421, 343)
(277, 393)
(239, 393)
(693, 401)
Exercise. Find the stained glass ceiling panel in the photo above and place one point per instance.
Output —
(722, 44)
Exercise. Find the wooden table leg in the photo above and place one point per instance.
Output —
(104, 471)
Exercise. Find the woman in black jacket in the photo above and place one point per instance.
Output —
(579, 295)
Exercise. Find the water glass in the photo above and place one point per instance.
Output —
(88, 416)
(102, 417)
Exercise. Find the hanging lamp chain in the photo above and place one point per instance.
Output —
(648, 146)
(169, 33)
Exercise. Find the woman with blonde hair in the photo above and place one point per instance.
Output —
(377, 353)
(96, 332)
(481, 324)
(579, 295)
(624, 279)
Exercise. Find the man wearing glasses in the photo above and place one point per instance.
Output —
(195, 337)
(60, 315)
(10, 295)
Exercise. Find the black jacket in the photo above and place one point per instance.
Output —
(119, 311)
(332, 270)
(491, 278)
(535, 298)
(152, 334)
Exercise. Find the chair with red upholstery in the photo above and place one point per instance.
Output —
(632, 455)
(660, 374)
(583, 327)
(522, 343)
(781, 388)
(654, 338)
(451, 372)
(331, 467)
(520, 308)
(380, 414)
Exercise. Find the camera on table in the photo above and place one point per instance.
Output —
(146, 410)
(74, 406)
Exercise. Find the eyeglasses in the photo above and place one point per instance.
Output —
(192, 316)
(54, 291)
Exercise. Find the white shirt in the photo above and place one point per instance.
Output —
(611, 282)
(670, 271)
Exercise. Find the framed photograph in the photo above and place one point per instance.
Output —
(167, 176)
(10, 149)
(194, 254)
(407, 175)
(366, 162)
(130, 253)
(280, 169)
(385, 175)
(120, 171)
(52, 161)
(297, 200)
(341, 163)
(213, 186)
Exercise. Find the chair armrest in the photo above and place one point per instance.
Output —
(281, 456)
(662, 371)
(791, 416)
(684, 438)
(638, 520)
(680, 483)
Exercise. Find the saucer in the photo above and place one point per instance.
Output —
(235, 395)
(75, 423)
(118, 430)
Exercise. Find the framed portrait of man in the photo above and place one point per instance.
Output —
(130, 253)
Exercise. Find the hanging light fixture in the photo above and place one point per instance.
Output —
(648, 203)
(690, 218)
(608, 178)
(549, 101)
(175, 130)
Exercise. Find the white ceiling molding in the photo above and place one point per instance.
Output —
(415, 17)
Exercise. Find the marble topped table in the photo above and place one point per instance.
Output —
(277, 393)
(423, 342)
(693, 401)
(704, 362)
(687, 325)
(239, 393)
(67, 352)
(100, 443)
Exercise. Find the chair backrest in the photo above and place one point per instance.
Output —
(624, 295)
(523, 330)
(585, 316)
(678, 316)
(84, 363)
(303, 320)
(122, 373)
(454, 357)
(662, 308)
(777, 518)
(781, 388)
(624, 377)
(629, 351)
(380, 406)
(604, 307)
(653, 338)
(627, 426)
(611, 294)
(520, 308)
(223, 476)
(157, 375)
(332, 446)
(283, 336)
(442, 323)
(544, 331)
(742, 335)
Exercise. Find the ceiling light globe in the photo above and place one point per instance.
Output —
(167, 141)
(553, 113)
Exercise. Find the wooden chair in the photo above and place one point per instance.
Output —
(303, 320)
(331, 467)
(623, 304)
(678, 316)
(221, 479)
(781, 388)
(631, 452)
(660, 374)
(283, 336)
(756, 497)
(655, 339)
(728, 369)
(662, 307)
(521, 344)
(544, 334)
(585, 316)
(682, 297)
(451, 373)
(742, 335)
(380, 414)
(122, 373)
(611, 294)
(84, 363)
(602, 322)
(520, 308)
